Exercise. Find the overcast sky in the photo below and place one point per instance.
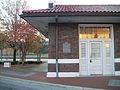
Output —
(40, 4)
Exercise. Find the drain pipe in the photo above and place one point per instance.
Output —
(56, 29)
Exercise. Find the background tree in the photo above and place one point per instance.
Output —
(3, 42)
(27, 38)
(10, 19)
(37, 47)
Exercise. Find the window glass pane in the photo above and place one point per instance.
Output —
(108, 50)
(94, 32)
(95, 50)
(83, 50)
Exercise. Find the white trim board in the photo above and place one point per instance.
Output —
(63, 74)
(51, 60)
(117, 73)
(117, 59)
(68, 60)
(51, 74)
(63, 61)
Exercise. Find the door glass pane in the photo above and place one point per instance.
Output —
(95, 50)
(107, 49)
(83, 50)
(94, 32)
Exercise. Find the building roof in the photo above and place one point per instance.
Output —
(78, 8)
(41, 18)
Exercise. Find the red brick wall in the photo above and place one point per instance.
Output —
(69, 33)
(51, 47)
(66, 33)
(116, 28)
(64, 67)
(117, 66)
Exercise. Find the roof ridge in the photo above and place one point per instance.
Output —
(88, 5)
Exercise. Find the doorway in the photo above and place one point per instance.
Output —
(95, 50)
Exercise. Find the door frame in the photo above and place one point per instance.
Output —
(103, 40)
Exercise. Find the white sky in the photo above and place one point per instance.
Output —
(41, 4)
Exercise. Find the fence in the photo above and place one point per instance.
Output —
(29, 57)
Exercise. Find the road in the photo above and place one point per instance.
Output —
(7, 83)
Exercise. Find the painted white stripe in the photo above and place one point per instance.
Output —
(117, 59)
(63, 60)
(44, 59)
(51, 74)
(117, 73)
(68, 60)
(63, 74)
(51, 60)
(68, 74)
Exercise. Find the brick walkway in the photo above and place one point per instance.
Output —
(92, 82)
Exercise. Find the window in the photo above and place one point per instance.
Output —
(94, 32)
(95, 50)
(83, 50)
(107, 49)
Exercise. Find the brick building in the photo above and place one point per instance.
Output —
(83, 39)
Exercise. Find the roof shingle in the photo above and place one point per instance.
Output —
(78, 8)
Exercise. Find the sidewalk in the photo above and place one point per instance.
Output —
(14, 83)
(34, 74)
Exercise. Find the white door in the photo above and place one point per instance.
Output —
(95, 58)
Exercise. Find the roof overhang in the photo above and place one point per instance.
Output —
(41, 22)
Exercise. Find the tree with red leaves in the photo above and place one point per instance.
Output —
(9, 18)
(26, 38)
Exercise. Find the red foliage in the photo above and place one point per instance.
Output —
(25, 37)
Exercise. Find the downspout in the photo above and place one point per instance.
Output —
(56, 29)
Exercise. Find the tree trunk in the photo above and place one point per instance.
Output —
(23, 58)
(39, 56)
(1, 54)
(14, 55)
